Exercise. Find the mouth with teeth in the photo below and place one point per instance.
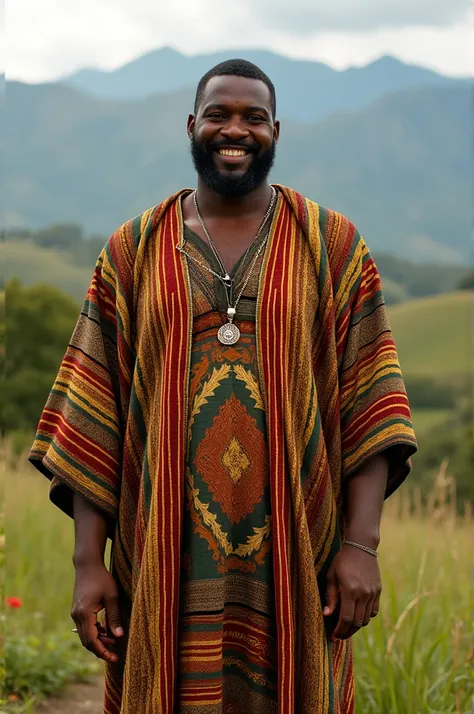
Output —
(232, 152)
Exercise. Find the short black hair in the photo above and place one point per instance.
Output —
(235, 68)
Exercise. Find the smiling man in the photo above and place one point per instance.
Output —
(230, 411)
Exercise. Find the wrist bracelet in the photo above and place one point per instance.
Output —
(361, 547)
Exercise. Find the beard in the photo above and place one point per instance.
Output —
(229, 184)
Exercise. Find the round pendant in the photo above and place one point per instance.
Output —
(228, 334)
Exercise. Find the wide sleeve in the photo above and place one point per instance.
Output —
(78, 443)
(375, 413)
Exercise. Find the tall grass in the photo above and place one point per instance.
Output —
(415, 658)
(42, 654)
(412, 659)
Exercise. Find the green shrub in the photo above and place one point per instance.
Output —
(37, 667)
(428, 393)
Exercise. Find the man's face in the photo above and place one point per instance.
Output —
(233, 135)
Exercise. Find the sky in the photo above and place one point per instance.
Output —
(52, 38)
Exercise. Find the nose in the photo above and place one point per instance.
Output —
(234, 130)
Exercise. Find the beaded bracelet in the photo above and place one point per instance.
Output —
(361, 547)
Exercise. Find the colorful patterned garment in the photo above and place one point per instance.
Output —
(228, 630)
(115, 429)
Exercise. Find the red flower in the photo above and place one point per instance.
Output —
(14, 602)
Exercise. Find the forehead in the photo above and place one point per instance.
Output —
(229, 90)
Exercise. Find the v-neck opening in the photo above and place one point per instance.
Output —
(208, 253)
(205, 249)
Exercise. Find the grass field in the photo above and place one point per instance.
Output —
(32, 264)
(413, 659)
(434, 335)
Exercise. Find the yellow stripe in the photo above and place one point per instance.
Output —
(79, 433)
(96, 414)
(69, 374)
(77, 476)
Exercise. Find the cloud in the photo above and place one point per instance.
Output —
(309, 16)
(53, 38)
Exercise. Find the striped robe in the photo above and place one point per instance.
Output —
(114, 430)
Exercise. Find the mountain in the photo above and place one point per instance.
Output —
(306, 90)
(398, 168)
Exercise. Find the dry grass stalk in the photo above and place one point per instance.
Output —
(402, 619)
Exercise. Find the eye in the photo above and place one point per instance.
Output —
(255, 118)
(215, 115)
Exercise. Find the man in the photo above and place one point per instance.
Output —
(231, 412)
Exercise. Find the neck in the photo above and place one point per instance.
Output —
(213, 204)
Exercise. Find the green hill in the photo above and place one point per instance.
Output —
(398, 168)
(32, 264)
(434, 335)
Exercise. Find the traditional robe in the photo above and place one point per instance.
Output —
(115, 427)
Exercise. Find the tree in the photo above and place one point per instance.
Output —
(62, 235)
(467, 283)
(38, 324)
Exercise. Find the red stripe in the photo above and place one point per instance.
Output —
(174, 298)
(376, 420)
(79, 364)
(166, 288)
(274, 377)
(69, 438)
(370, 360)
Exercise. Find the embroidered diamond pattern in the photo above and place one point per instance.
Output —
(235, 460)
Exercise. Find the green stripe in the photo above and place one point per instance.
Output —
(402, 439)
(198, 627)
(371, 303)
(86, 411)
(362, 393)
(86, 472)
(311, 449)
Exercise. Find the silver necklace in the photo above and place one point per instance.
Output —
(229, 333)
(225, 278)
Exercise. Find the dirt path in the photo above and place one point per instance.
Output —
(77, 699)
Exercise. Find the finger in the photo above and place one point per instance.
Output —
(104, 631)
(359, 618)
(375, 606)
(346, 615)
(359, 613)
(112, 611)
(90, 639)
(332, 596)
(368, 612)
(107, 641)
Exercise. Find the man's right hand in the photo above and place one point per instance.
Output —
(94, 590)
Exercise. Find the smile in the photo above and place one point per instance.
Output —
(232, 152)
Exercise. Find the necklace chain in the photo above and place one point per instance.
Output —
(229, 334)
(248, 276)
(226, 278)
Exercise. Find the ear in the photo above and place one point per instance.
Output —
(191, 124)
(276, 131)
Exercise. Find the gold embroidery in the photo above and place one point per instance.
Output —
(248, 378)
(209, 518)
(253, 544)
(235, 460)
(217, 376)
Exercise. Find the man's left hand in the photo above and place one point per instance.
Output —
(354, 586)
